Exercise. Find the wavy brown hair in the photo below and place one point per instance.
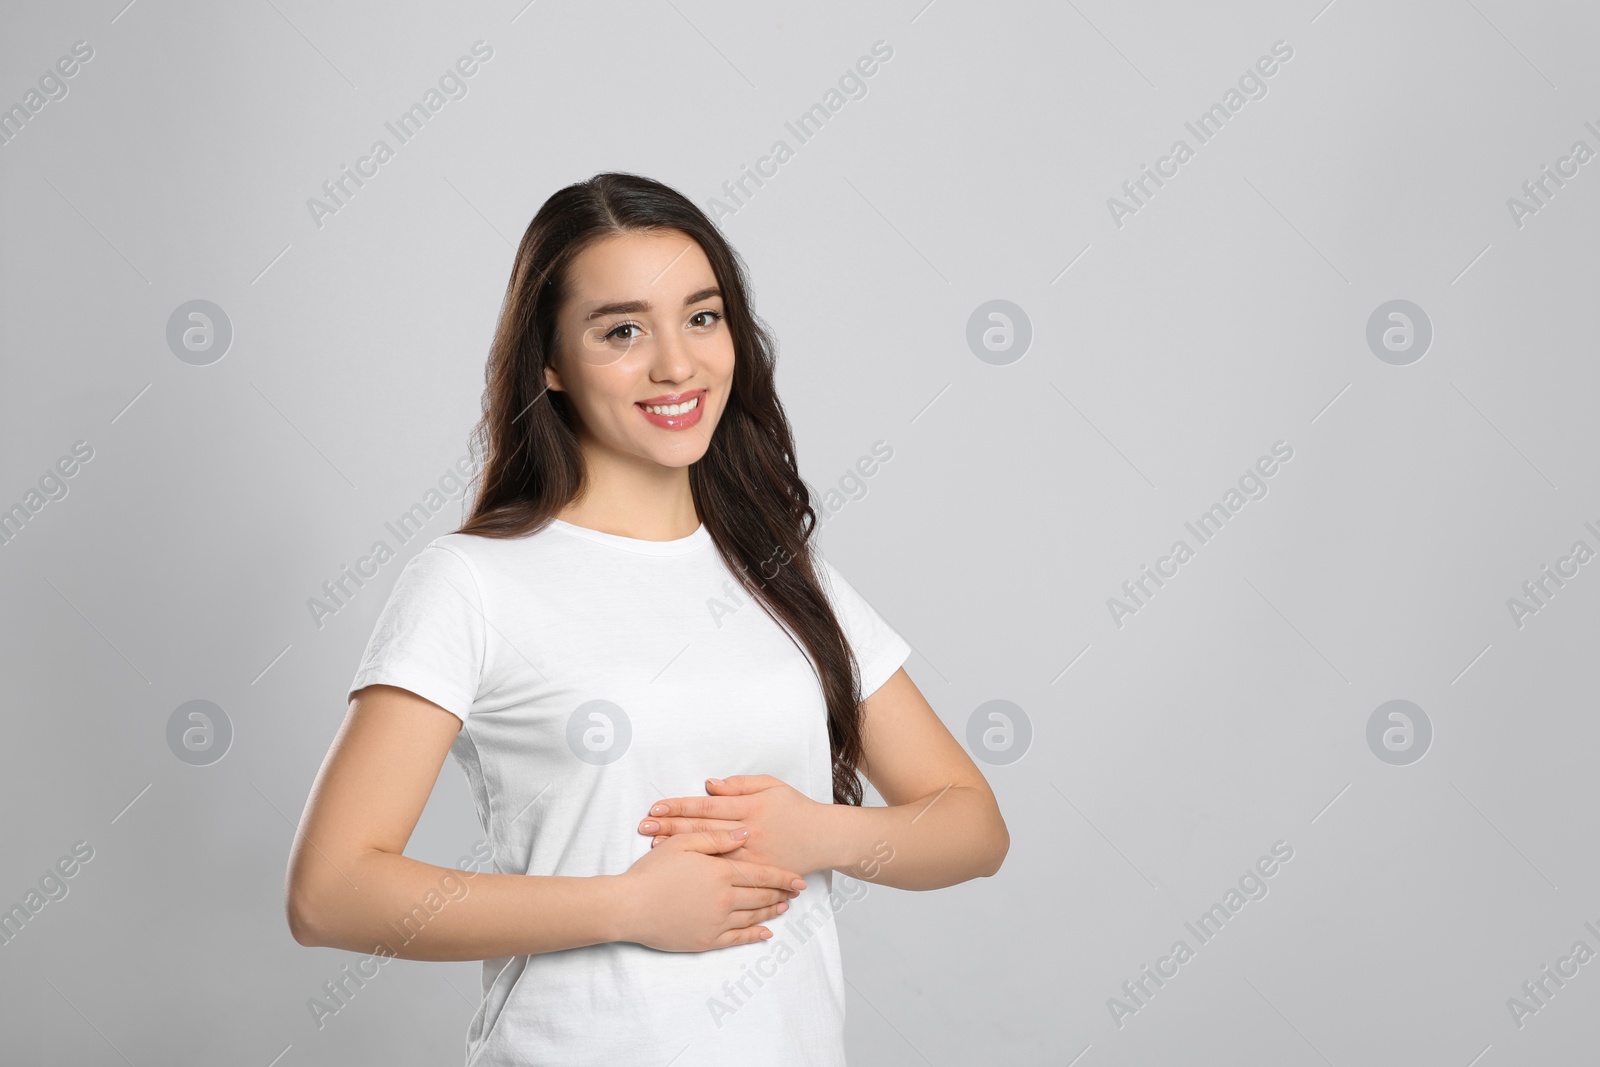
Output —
(747, 489)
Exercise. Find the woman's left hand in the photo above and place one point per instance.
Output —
(786, 826)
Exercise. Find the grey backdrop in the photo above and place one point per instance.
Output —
(1148, 358)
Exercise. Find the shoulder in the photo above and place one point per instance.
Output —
(483, 553)
(845, 597)
(461, 547)
(829, 574)
(492, 561)
(839, 590)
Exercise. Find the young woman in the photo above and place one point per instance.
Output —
(660, 693)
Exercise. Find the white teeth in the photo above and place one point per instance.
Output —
(671, 409)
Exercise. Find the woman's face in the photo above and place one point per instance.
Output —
(644, 352)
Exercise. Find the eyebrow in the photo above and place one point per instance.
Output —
(628, 307)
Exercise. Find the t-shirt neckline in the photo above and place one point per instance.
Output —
(701, 536)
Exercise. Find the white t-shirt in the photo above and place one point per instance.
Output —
(594, 675)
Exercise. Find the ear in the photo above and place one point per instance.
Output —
(552, 380)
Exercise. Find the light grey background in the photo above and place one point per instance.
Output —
(1167, 354)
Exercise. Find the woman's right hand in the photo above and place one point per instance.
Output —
(684, 896)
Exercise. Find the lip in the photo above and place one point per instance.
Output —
(674, 422)
(673, 398)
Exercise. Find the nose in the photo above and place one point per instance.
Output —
(673, 359)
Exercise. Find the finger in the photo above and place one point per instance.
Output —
(762, 875)
(747, 899)
(695, 807)
(712, 842)
(744, 935)
(759, 915)
(685, 826)
(741, 783)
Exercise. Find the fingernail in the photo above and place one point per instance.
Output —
(765, 933)
(714, 781)
(798, 884)
(648, 826)
(742, 833)
(659, 809)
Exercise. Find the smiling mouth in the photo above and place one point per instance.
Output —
(673, 409)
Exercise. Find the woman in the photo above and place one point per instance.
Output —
(660, 695)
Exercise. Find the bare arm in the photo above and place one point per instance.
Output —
(350, 887)
(942, 825)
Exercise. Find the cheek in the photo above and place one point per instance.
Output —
(604, 399)
(722, 358)
(613, 388)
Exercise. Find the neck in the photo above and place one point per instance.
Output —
(633, 497)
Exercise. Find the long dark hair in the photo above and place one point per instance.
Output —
(747, 489)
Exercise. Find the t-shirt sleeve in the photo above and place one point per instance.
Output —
(879, 649)
(430, 636)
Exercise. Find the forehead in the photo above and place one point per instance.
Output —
(658, 267)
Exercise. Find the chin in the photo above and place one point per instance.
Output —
(688, 454)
